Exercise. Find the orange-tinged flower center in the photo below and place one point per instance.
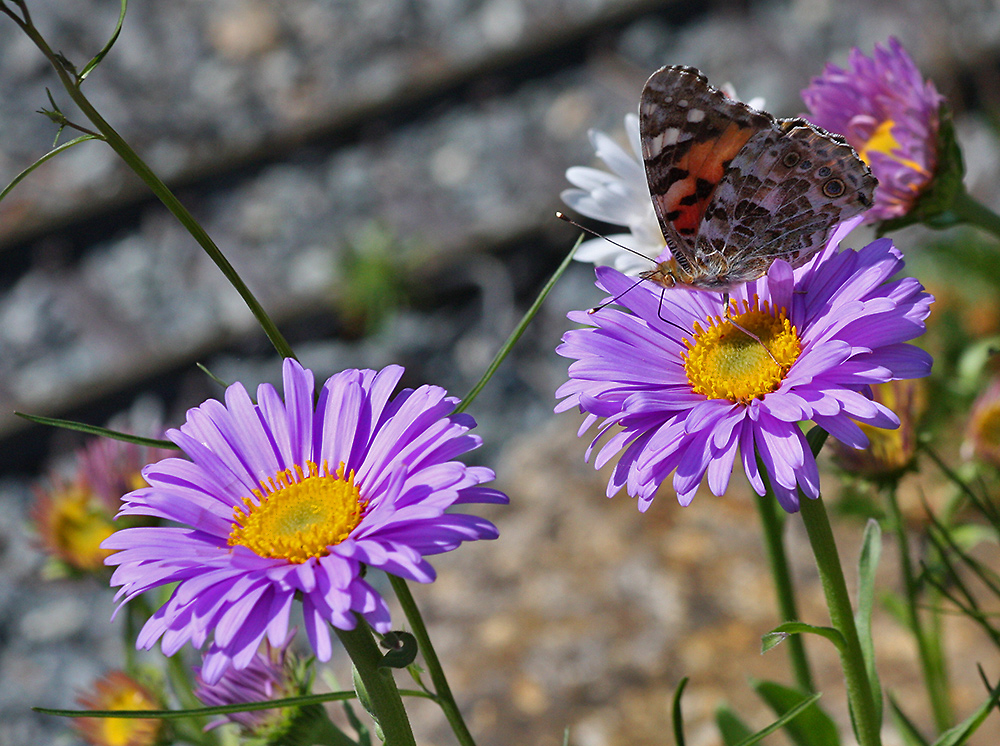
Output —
(723, 362)
(117, 691)
(73, 527)
(987, 427)
(299, 513)
(883, 141)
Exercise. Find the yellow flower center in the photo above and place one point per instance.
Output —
(128, 732)
(988, 427)
(298, 515)
(724, 363)
(116, 691)
(76, 527)
(883, 141)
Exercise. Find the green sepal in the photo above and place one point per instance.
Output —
(811, 727)
(731, 727)
(782, 632)
(402, 649)
(933, 207)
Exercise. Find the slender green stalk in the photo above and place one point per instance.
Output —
(381, 687)
(931, 658)
(442, 690)
(968, 210)
(156, 185)
(518, 330)
(831, 574)
(772, 523)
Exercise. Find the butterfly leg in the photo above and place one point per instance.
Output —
(729, 318)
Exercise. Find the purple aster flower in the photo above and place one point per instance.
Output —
(273, 673)
(286, 499)
(682, 390)
(883, 107)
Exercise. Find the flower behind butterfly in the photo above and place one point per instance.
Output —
(886, 110)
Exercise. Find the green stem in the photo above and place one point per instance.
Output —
(381, 687)
(772, 523)
(831, 574)
(315, 727)
(932, 665)
(156, 185)
(442, 690)
(518, 330)
(968, 210)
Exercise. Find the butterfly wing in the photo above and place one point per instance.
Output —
(780, 197)
(690, 132)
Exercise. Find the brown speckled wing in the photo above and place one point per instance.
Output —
(734, 188)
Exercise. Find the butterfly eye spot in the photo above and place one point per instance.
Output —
(833, 188)
(823, 171)
(805, 165)
(790, 160)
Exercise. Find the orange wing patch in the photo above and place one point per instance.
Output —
(685, 202)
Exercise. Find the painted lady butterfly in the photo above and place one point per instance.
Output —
(734, 188)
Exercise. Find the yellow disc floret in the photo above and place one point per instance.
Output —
(299, 514)
(883, 141)
(724, 362)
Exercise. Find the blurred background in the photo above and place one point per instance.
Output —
(383, 175)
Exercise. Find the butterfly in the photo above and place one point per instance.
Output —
(734, 188)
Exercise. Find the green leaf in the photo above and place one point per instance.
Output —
(51, 154)
(212, 375)
(365, 699)
(402, 649)
(911, 736)
(95, 430)
(781, 633)
(961, 733)
(812, 727)
(308, 699)
(933, 206)
(519, 329)
(781, 722)
(107, 47)
(677, 718)
(732, 728)
(871, 551)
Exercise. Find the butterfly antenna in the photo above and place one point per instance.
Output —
(607, 303)
(564, 216)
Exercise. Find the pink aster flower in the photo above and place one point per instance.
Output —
(682, 391)
(883, 107)
(273, 673)
(289, 499)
